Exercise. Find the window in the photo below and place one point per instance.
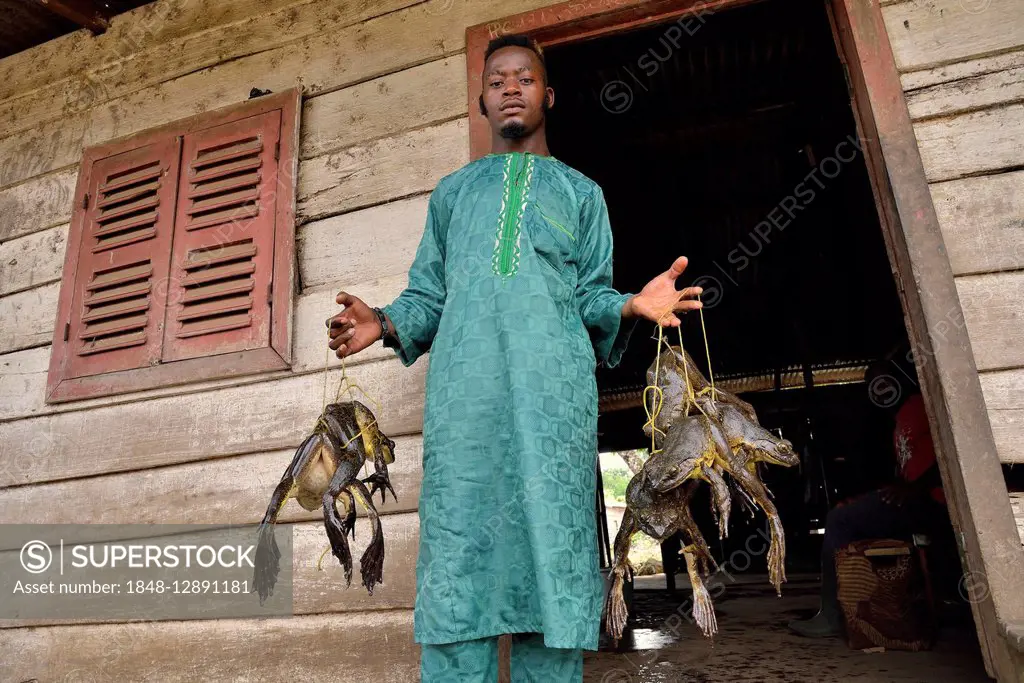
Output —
(180, 254)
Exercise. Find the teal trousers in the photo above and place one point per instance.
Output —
(476, 661)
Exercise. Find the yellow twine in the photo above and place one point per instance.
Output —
(659, 395)
(327, 363)
(656, 387)
(345, 383)
(691, 396)
(320, 562)
(707, 350)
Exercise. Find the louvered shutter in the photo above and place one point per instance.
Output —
(117, 310)
(222, 258)
(180, 259)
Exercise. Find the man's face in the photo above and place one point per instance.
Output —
(514, 92)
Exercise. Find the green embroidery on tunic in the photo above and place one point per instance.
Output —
(556, 224)
(518, 171)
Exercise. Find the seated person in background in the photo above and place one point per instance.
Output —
(910, 505)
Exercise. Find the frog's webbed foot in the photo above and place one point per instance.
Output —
(337, 534)
(703, 609)
(776, 552)
(348, 523)
(336, 527)
(266, 563)
(371, 564)
(616, 612)
(379, 481)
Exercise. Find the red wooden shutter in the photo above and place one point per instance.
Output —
(180, 257)
(117, 308)
(222, 259)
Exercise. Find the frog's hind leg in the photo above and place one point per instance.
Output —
(721, 499)
(697, 545)
(266, 563)
(349, 523)
(350, 512)
(371, 564)
(703, 609)
(777, 550)
(616, 613)
(338, 528)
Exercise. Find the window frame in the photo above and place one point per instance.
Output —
(61, 387)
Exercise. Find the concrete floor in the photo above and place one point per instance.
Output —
(753, 644)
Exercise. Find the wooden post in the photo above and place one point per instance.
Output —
(971, 473)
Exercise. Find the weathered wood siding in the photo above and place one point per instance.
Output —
(384, 117)
(210, 452)
(1017, 503)
(962, 68)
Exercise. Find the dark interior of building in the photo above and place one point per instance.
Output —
(733, 142)
(27, 23)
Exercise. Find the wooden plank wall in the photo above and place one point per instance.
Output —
(1017, 503)
(962, 68)
(384, 117)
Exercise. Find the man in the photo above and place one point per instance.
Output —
(912, 504)
(510, 291)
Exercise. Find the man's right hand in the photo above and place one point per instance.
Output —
(353, 329)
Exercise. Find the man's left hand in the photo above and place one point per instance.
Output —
(659, 300)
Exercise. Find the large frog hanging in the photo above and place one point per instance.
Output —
(699, 433)
(323, 473)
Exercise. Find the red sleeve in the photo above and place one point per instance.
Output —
(912, 439)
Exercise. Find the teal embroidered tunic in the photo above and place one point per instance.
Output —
(510, 291)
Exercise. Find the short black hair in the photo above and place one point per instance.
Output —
(515, 40)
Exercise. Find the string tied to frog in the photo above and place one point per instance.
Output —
(707, 352)
(345, 385)
(653, 409)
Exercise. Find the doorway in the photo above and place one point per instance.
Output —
(733, 141)
(736, 146)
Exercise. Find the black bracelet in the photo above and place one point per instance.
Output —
(383, 323)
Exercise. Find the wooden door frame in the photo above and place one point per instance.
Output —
(971, 473)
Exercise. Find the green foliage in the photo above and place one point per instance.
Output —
(615, 481)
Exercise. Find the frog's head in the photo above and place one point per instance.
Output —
(776, 451)
(766, 446)
(686, 445)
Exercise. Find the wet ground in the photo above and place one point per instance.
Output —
(753, 644)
